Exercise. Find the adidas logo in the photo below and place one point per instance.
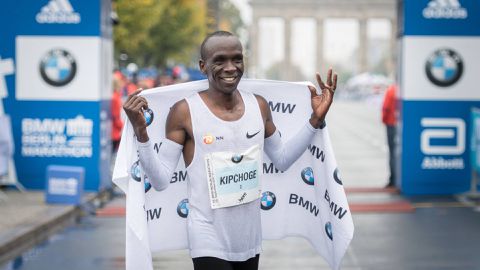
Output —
(58, 11)
(444, 9)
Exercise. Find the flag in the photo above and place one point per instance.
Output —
(308, 200)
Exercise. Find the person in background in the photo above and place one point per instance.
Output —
(116, 108)
(389, 119)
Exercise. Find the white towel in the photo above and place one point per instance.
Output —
(308, 200)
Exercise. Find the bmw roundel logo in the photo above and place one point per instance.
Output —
(307, 176)
(148, 114)
(147, 184)
(135, 172)
(336, 177)
(444, 67)
(237, 158)
(58, 67)
(268, 200)
(182, 208)
(328, 230)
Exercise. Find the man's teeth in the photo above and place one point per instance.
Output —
(229, 79)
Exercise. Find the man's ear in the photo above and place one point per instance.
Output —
(201, 65)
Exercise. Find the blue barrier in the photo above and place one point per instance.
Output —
(65, 184)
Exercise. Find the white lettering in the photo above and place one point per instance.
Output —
(62, 186)
(445, 128)
(440, 163)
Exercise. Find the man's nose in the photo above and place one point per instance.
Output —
(229, 66)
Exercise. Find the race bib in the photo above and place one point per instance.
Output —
(233, 178)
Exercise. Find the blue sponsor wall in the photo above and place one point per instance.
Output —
(59, 95)
(439, 71)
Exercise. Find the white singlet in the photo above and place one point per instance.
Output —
(231, 233)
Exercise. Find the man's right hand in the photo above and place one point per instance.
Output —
(134, 107)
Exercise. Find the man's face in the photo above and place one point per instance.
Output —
(223, 63)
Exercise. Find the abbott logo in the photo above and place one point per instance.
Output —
(443, 128)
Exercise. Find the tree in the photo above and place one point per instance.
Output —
(151, 32)
(178, 33)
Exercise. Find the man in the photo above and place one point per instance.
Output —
(389, 118)
(223, 232)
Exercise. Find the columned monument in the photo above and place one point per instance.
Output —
(320, 10)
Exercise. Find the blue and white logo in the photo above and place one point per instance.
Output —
(148, 114)
(58, 11)
(444, 9)
(6, 68)
(444, 67)
(135, 171)
(307, 176)
(58, 67)
(268, 200)
(328, 230)
(147, 184)
(237, 158)
(182, 208)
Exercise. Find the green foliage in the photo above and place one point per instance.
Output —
(152, 32)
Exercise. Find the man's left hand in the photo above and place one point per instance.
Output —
(321, 103)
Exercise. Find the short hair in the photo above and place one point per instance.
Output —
(214, 34)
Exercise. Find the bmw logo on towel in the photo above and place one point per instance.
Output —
(148, 114)
(337, 177)
(268, 200)
(147, 184)
(237, 158)
(58, 67)
(182, 208)
(444, 67)
(328, 230)
(307, 176)
(135, 172)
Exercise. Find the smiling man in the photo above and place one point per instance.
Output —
(222, 132)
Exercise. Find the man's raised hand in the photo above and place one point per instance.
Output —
(321, 103)
(134, 107)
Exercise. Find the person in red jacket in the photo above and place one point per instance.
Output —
(389, 118)
(116, 108)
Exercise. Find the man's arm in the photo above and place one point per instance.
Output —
(157, 166)
(283, 155)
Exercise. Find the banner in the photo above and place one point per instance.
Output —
(307, 200)
(56, 63)
(438, 86)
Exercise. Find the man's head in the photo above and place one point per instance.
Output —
(222, 61)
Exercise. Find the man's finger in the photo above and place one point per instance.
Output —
(329, 77)
(334, 86)
(134, 94)
(138, 101)
(313, 91)
(319, 81)
(139, 107)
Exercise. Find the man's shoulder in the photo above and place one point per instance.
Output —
(180, 108)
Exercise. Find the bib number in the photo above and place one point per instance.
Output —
(233, 178)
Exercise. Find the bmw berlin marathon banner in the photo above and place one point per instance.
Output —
(440, 64)
(56, 62)
(307, 200)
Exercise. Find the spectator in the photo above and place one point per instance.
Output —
(389, 118)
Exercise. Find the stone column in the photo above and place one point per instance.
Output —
(393, 48)
(321, 65)
(287, 49)
(362, 45)
(253, 61)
